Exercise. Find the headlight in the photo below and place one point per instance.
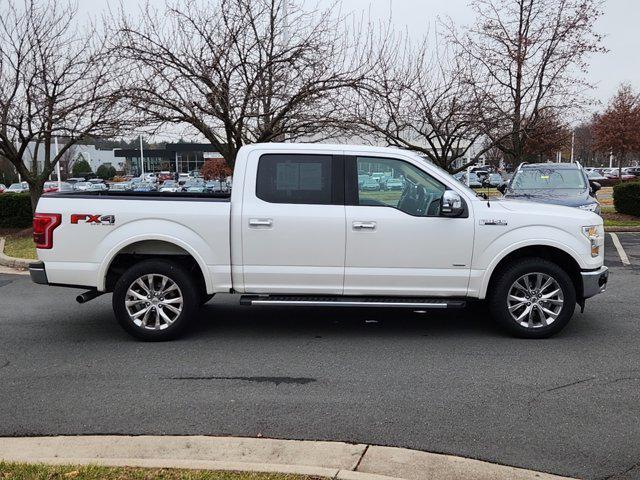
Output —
(590, 207)
(595, 234)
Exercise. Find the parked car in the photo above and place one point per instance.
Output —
(170, 186)
(213, 186)
(362, 177)
(557, 183)
(473, 182)
(65, 187)
(300, 241)
(74, 180)
(614, 174)
(164, 176)
(97, 187)
(149, 178)
(50, 187)
(120, 187)
(144, 187)
(370, 184)
(3, 187)
(183, 178)
(81, 186)
(193, 183)
(18, 188)
(595, 176)
(495, 180)
(394, 184)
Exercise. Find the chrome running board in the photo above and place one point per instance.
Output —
(329, 301)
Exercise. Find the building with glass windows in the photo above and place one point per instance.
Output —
(174, 157)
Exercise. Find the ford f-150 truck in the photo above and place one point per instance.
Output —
(300, 229)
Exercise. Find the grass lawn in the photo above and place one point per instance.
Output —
(622, 223)
(614, 219)
(23, 471)
(20, 247)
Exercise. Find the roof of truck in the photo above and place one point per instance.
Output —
(321, 146)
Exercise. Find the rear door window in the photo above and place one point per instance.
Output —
(294, 178)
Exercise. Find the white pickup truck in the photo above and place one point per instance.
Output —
(322, 225)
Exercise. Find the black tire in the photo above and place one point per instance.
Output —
(187, 288)
(506, 278)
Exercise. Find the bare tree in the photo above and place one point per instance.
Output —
(55, 80)
(239, 71)
(529, 58)
(415, 97)
(617, 129)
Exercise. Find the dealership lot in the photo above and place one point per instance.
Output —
(447, 383)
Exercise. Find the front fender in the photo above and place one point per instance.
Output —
(148, 229)
(487, 256)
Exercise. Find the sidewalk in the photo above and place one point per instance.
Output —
(334, 460)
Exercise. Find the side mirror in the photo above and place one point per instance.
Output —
(595, 186)
(452, 204)
(502, 188)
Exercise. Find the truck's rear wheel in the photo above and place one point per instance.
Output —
(532, 298)
(155, 299)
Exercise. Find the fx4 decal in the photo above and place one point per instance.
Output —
(77, 218)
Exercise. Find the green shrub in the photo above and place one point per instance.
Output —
(81, 168)
(105, 172)
(626, 198)
(15, 210)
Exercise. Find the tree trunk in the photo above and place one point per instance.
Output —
(620, 158)
(35, 192)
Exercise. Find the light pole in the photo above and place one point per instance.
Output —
(573, 137)
(141, 158)
(58, 163)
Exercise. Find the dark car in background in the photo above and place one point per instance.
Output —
(557, 183)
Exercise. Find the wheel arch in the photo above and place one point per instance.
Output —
(565, 260)
(151, 246)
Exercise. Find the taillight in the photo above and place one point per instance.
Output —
(43, 226)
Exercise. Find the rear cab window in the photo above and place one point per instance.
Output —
(300, 178)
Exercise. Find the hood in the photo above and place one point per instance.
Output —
(568, 197)
(527, 210)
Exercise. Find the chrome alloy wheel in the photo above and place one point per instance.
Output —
(535, 300)
(154, 301)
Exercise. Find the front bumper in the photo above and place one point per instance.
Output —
(38, 273)
(594, 282)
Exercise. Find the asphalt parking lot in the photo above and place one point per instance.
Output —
(448, 383)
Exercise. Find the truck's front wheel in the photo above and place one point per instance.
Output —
(532, 298)
(154, 300)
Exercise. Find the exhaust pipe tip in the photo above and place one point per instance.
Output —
(88, 296)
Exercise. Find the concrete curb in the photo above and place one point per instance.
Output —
(334, 460)
(12, 262)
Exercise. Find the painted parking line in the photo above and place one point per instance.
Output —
(623, 255)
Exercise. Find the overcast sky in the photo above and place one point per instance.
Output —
(620, 24)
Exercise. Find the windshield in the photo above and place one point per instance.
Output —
(544, 178)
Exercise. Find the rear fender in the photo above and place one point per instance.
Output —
(142, 230)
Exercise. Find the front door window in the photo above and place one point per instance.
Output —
(394, 183)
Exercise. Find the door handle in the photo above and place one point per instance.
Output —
(364, 225)
(260, 222)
